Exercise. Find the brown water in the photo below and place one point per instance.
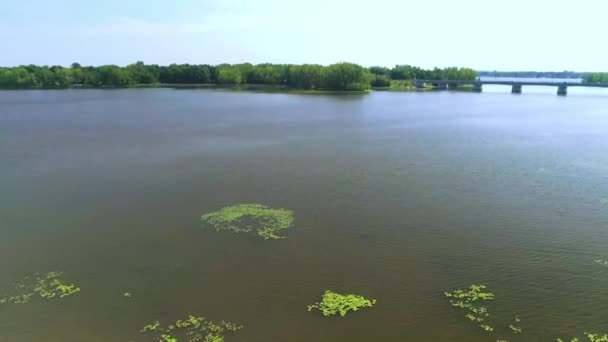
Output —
(397, 196)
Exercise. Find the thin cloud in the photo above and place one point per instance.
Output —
(143, 27)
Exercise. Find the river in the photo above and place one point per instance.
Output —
(397, 196)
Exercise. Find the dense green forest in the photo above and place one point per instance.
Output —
(340, 76)
(383, 77)
(596, 77)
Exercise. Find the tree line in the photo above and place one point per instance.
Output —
(596, 77)
(382, 76)
(340, 76)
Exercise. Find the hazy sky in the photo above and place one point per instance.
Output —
(482, 34)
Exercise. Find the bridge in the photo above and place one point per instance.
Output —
(516, 86)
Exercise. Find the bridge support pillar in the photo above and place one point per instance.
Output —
(516, 89)
(441, 86)
(562, 90)
(477, 87)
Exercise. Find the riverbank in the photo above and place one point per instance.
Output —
(396, 86)
(253, 87)
(400, 85)
(406, 86)
(248, 87)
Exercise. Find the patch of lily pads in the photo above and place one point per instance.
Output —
(48, 286)
(191, 329)
(333, 303)
(266, 222)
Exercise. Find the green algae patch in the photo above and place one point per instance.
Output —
(266, 222)
(192, 328)
(467, 299)
(48, 286)
(333, 303)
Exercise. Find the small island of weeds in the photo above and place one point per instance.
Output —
(470, 298)
(592, 337)
(49, 286)
(467, 299)
(192, 328)
(266, 222)
(333, 303)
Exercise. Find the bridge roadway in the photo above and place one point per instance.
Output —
(523, 83)
(516, 86)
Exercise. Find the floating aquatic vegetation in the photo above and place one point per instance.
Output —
(486, 327)
(597, 337)
(167, 338)
(514, 326)
(467, 298)
(514, 329)
(332, 303)
(474, 293)
(127, 295)
(264, 221)
(474, 318)
(48, 286)
(151, 327)
(591, 336)
(601, 262)
(191, 329)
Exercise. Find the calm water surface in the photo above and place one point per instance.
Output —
(397, 196)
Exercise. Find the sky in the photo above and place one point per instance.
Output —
(482, 34)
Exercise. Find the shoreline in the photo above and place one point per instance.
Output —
(252, 87)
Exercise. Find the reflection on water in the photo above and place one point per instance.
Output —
(396, 196)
